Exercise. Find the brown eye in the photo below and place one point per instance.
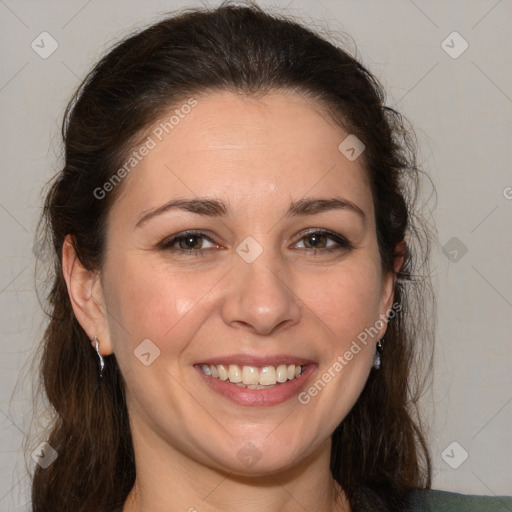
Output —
(315, 241)
(323, 241)
(190, 243)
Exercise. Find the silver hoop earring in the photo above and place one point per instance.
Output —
(96, 345)
(378, 352)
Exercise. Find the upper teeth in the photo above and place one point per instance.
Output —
(251, 375)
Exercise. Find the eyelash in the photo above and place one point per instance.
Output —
(167, 244)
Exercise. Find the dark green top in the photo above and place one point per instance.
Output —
(442, 501)
(377, 498)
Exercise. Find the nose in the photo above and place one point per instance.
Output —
(260, 296)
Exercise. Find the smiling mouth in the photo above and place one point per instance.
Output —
(253, 377)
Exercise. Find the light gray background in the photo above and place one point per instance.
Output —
(462, 111)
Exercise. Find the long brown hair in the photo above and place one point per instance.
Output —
(380, 444)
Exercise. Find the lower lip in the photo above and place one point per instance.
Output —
(259, 397)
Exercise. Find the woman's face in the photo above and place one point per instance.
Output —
(282, 269)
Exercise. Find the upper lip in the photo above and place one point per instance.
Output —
(247, 360)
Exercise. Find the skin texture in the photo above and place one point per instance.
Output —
(256, 155)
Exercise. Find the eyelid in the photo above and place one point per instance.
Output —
(169, 241)
(341, 240)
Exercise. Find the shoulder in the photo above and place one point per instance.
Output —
(427, 500)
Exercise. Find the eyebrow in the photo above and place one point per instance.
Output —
(216, 208)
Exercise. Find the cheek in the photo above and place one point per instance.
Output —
(347, 298)
(345, 305)
(155, 302)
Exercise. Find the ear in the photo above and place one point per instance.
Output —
(398, 259)
(389, 281)
(86, 296)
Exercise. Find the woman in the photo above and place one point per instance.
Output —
(235, 239)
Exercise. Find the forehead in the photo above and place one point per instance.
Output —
(245, 149)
